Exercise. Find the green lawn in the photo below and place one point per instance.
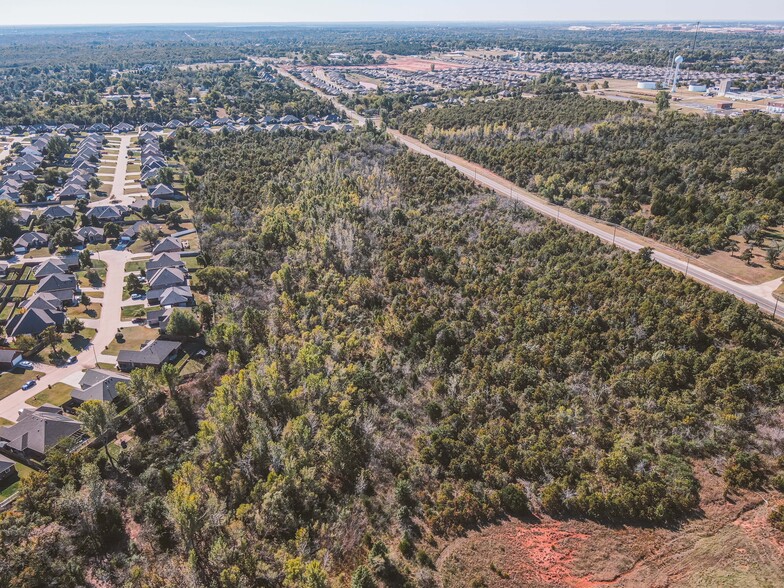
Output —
(192, 263)
(10, 382)
(58, 395)
(5, 422)
(133, 338)
(71, 345)
(93, 311)
(135, 266)
(22, 471)
(136, 310)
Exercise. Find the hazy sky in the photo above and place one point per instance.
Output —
(13, 12)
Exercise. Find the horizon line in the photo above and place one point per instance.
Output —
(399, 22)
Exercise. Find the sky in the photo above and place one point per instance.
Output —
(31, 12)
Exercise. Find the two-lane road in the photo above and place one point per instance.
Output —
(760, 295)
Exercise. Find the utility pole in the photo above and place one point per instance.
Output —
(775, 308)
(615, 230)
(688, 261)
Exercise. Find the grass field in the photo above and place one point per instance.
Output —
(10, 382)
(133, 338)
(93, 311)
(71, 345)
(58, 395)
(136, 310)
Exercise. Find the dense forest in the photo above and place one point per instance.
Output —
(684, 179)
(398, 358)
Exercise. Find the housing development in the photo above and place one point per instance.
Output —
(440, 305)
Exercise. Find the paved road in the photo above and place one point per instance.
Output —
(760, 295)
(109, 322)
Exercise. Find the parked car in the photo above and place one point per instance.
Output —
(139, 320)
(26, 365)
(28, 384)
(138, 296)
(71, 360)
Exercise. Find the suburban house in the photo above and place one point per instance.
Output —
(153, 203)
(49, 267)
(130, 233)
(38, 430)
(33, 322)
(289, 119)
(30, 240)
(122, 127)
(74, 190)
(172, 296)
(62, 286)
(9, 359)
(43, 301)
(152, 354)
(167, 245)
(174, 124)
(99, 128)
(58, 212)
(163, 260)
(90, 235)
(161, 191)
(159, 318)
(166, 277)
(97, 384)
(110, 213)
(7, 468)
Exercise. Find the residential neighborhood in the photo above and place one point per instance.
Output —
(99, 245)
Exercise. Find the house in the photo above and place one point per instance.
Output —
(111, 213)
(161, 191)
(155, 203)
(74, 190)
(122, 127)
(62, 286)
(151, 126)
(152, 354)
(23, 217)
(49, 267)
(33, 322)
(43, 301)
(97, 384)
(163, 260)
(172, 296)
(30, 240)
(130, 233)
(222, 121)
(38, 430)
(166, 277)
(9, 359)
(58, 212)
(159, 318)
(269, 120)
(199, 123)
(167, 245)
(90, 235)
(7, 468)
(174, 124)
(289, 119)
(99, 128)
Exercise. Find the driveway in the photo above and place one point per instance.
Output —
(107, 325)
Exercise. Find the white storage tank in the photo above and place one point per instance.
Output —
(646, 85)
(698, 88)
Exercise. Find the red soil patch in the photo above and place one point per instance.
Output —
(550, 550)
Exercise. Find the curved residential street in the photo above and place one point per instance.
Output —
(111, 309)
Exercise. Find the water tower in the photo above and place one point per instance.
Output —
(677, 62)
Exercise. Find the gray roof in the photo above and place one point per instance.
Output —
(167, 245)
(153, 353)
(49, 267)
(33, 321)
(54, 282)
(168, 259)
(39, 429)
(98, 384)
(167, 276)
(43, 301)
